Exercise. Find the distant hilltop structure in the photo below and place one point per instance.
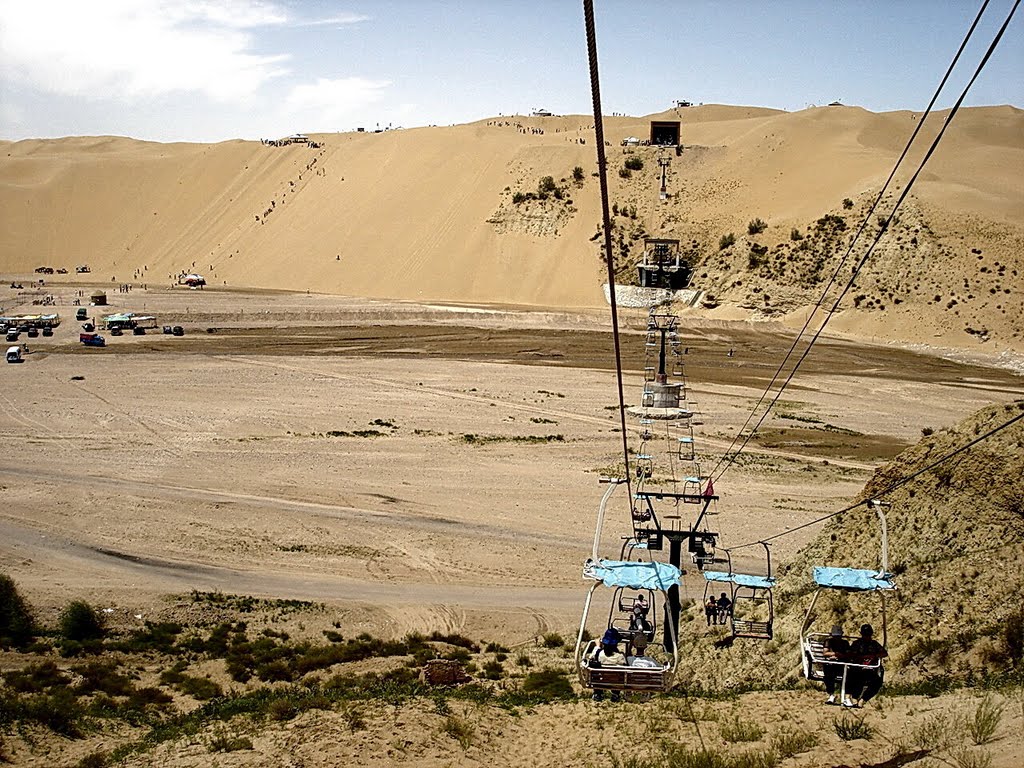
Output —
(541, 112)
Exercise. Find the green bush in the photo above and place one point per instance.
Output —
(548, 684)
(796, 235)
(982, 726)
(17, 627)
(79, 622)
(553, 640)
(726, 240)
(519, 197)
(546, 186)
(200, 688)
(847, 203)
(849, 728)
(577, 174)
(625, 173)
(634, 163)
(756, 226)
(737, 729)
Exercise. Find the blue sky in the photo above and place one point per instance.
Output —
(208, 70)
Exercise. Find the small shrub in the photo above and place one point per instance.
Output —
(795, 235)
(548, 684)
(849, 728)
(519, 197)
(847, 203)
(200, 688)
(625, 173)
(634, 163)
(225, 741)
(493, 670)
(926, 431)
(577, 174)
(789, 742)
(982, 726)
(546, 186)
(523, 660)
(552, 640)
(79, 622)
(963, 757)
(352, 714)
(736, 730)
(726, 241)
(17, 627)
(460, 730)
(756, 226)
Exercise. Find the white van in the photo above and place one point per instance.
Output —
(14, 354)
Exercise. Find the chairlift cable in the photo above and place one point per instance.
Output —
(881, 232)
(595, 91)
(892, 487)
(853, 242)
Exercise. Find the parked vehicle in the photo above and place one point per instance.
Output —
(47, 331)
(92, 340)
(178, 330)
(33, 332)
(167, 329)
(81, 314)
(14, 355)
(116, 331)
(13, 335)
(88, 327)
(138, 330)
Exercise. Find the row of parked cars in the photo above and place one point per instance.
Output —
(13, 332)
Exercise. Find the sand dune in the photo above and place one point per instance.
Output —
(426, 214)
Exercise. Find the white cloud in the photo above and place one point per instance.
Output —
(338, 19)
(330, 105)
(125, 49)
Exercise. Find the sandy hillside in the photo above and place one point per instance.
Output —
(429, 213)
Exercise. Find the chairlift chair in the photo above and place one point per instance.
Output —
(628, 579)
(814, 650)
(753, 593)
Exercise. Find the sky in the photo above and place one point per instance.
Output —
(211, 70)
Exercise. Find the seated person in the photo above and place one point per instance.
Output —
(838, 648)
(724, 608)
(711, 611)
(866, 682)
(636, 652)
(608, 654)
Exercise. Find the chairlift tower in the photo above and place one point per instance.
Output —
(657, 509)
(663, 163)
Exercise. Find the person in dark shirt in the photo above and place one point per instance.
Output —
(866, 682)
(711, 610)
(724, 608)
(836, 647)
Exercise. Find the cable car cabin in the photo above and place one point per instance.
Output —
(635, 585)
(817, 654)
(752, 612)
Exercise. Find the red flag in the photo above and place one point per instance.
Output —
(710, 490)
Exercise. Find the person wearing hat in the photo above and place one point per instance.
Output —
(836, 647)
(608, 655)
(868, 680)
